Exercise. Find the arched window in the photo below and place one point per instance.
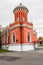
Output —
(13, 37)
(28, 37)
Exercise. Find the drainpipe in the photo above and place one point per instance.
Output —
(21, 35)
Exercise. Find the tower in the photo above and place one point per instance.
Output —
(22, 29)
(20, 13)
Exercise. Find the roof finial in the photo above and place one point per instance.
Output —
(20, 3)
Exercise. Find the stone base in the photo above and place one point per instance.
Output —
(18, 47)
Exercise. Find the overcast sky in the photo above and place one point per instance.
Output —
(35, 12)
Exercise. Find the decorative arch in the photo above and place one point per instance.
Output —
(27, 35)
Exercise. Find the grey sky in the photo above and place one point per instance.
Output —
(35, 12)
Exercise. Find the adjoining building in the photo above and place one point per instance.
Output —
(19, 35)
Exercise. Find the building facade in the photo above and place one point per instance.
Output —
(19, 35)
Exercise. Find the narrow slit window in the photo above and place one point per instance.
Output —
(13, 37)
(28, 37)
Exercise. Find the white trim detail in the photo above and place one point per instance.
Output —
(27, 26)
(18, 25)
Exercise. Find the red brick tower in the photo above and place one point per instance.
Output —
(25, 28)
(20, 16)
(20, 13)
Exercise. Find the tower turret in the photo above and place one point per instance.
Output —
(20, 13)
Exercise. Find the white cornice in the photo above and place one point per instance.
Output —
(18, 25)
(27, 26)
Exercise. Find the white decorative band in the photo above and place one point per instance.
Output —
(18, 25)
